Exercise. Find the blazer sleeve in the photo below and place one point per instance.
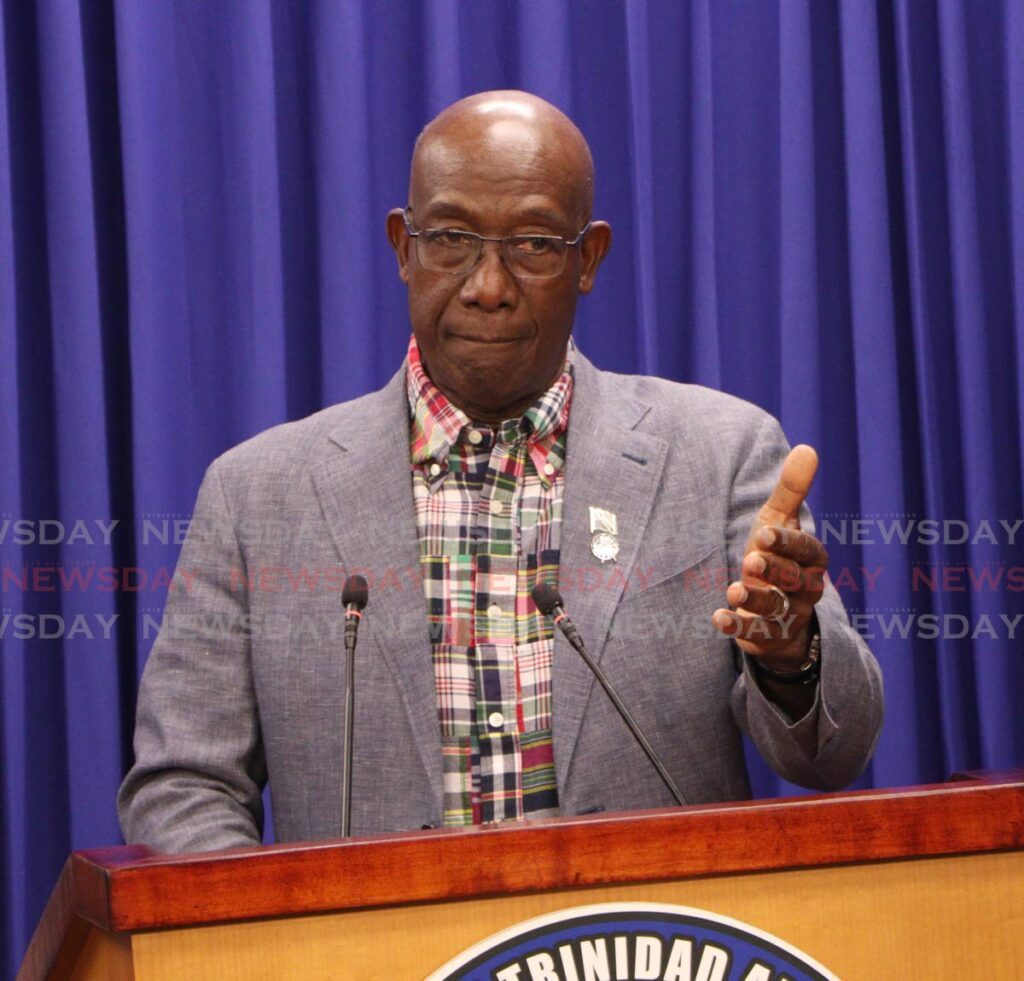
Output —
(199, 766)
(830, 746)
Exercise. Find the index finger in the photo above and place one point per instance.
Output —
(793, 485)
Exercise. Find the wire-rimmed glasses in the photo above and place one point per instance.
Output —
(457, 251)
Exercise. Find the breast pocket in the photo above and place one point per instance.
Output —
(671, 597)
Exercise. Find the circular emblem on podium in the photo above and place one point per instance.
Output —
(634, 942)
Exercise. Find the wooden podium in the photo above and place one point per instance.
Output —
(925, 882)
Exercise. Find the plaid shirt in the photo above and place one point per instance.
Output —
(489, 514)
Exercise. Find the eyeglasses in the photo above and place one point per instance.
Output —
(455, 251)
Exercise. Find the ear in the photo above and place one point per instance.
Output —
(399, 239)
(592, 250)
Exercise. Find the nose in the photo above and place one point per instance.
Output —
(489, 285)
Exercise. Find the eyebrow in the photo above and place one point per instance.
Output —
(440, 210)
(444, 209)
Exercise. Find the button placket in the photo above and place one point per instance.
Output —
(495, 589)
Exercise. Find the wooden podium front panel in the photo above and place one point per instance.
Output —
(920, 882)
(103, 956)
(961, 916)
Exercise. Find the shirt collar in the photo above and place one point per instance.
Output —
(437, 424)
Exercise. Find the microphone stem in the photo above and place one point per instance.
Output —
(351, 626)
(568, 628)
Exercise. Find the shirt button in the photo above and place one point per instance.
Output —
(496, 506)
(494, 610)
(475, 437)
(549, 469)
(495, 720)
(435, 469)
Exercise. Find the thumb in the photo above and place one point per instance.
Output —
(794, 483)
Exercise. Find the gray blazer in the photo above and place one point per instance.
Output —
(246, 680)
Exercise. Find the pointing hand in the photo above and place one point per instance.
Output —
(783, 574)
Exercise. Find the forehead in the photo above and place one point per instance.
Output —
(496, 171)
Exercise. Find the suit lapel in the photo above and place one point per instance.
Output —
(610, 465)
(365, 490)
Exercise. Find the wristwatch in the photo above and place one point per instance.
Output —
(808, 672)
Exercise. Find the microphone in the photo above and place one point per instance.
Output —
(353, 599)
(549, 602)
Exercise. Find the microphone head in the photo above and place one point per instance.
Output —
(547, 597)
(355, 592)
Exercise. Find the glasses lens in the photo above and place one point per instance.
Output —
(447, 250)
(453, 251)
(534, 256)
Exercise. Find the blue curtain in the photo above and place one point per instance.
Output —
(817, 206)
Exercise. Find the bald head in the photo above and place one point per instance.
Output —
(509, 128)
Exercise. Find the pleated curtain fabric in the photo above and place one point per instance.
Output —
(817, 206)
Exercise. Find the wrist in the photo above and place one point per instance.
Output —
(804, 670)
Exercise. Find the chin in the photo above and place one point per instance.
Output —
(493, 392)
(488, 390)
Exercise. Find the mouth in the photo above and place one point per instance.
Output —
(484, 339)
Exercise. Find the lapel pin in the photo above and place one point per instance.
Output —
(604, 530)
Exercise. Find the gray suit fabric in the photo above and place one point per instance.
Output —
(246, 680)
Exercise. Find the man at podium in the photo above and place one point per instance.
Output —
(671, 518)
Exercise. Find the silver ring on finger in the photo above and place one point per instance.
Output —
(784, 612)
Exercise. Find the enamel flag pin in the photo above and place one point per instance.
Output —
(604, 529)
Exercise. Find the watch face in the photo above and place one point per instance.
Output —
(604, 546)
